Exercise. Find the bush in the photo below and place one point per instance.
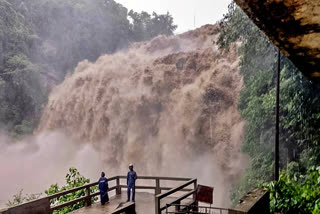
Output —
(295, 193)
(74, 179)
(19, 198)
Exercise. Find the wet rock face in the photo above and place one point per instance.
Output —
(293, 26)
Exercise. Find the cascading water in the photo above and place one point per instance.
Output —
(168, 105)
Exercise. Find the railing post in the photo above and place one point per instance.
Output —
(177, 207)
(158, 190)
(157, 205)
(118, 189)
(195, 196)
(195, 188)
(88, 198)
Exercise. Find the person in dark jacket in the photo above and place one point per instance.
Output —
(103, 187)
(131, 182)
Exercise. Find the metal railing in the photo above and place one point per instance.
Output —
(87, 198)
(195, 209)
(159, 197)
(45, 206)
(157, 188)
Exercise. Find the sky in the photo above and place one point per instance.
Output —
(183, 11)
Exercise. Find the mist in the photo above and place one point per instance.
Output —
(168, 105)
(36, 162)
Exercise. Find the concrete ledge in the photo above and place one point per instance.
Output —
(255, 202)
(40, 206)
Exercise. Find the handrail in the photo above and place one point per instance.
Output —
(117, 187)
(160, 178)
(74, 201)
(77, 188)
(177, 201)
(160, 196)
(154, 188)
(87, 198)
(57, 195)
(197, 208)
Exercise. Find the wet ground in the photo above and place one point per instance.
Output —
(144, 204)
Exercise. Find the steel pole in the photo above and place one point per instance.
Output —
(276, 144)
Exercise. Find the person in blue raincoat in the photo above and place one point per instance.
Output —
(131, 182)
(103, 187)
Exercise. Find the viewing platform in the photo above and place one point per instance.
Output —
(170, 195)
(144, 204)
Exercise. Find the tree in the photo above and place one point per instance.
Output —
(41, 41)
(299, 105)
(73, 179)
(21, 90)
(144, 26)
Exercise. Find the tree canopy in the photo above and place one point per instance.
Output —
(42, 40)
(299, 109)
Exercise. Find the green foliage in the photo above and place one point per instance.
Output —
(21, 94)
(41, 39)
(21, 90)
(296, 193)
(299, 106)
(257, 98)
(144, 26)
(19, 198)
(73, 179)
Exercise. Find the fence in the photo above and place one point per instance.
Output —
(87, 198)
(195, 209)
(43, 205)
(159, 197)
(256, 201)
(157, 188)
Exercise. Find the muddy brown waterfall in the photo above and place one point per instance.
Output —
(168, 105)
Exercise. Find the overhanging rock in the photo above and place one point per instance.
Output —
(293, 26)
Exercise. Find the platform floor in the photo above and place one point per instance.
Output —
(144, 204)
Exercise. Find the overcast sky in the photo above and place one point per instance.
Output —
(183, 11)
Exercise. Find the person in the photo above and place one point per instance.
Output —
(103, 187)
(131, 182)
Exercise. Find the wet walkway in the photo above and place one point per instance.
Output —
(144, 204)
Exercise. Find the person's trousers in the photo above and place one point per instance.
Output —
(133, 192)
(104, 197)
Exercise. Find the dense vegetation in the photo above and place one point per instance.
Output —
(296, 193)
(299, 119)
(73, 179)
(41, 41)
